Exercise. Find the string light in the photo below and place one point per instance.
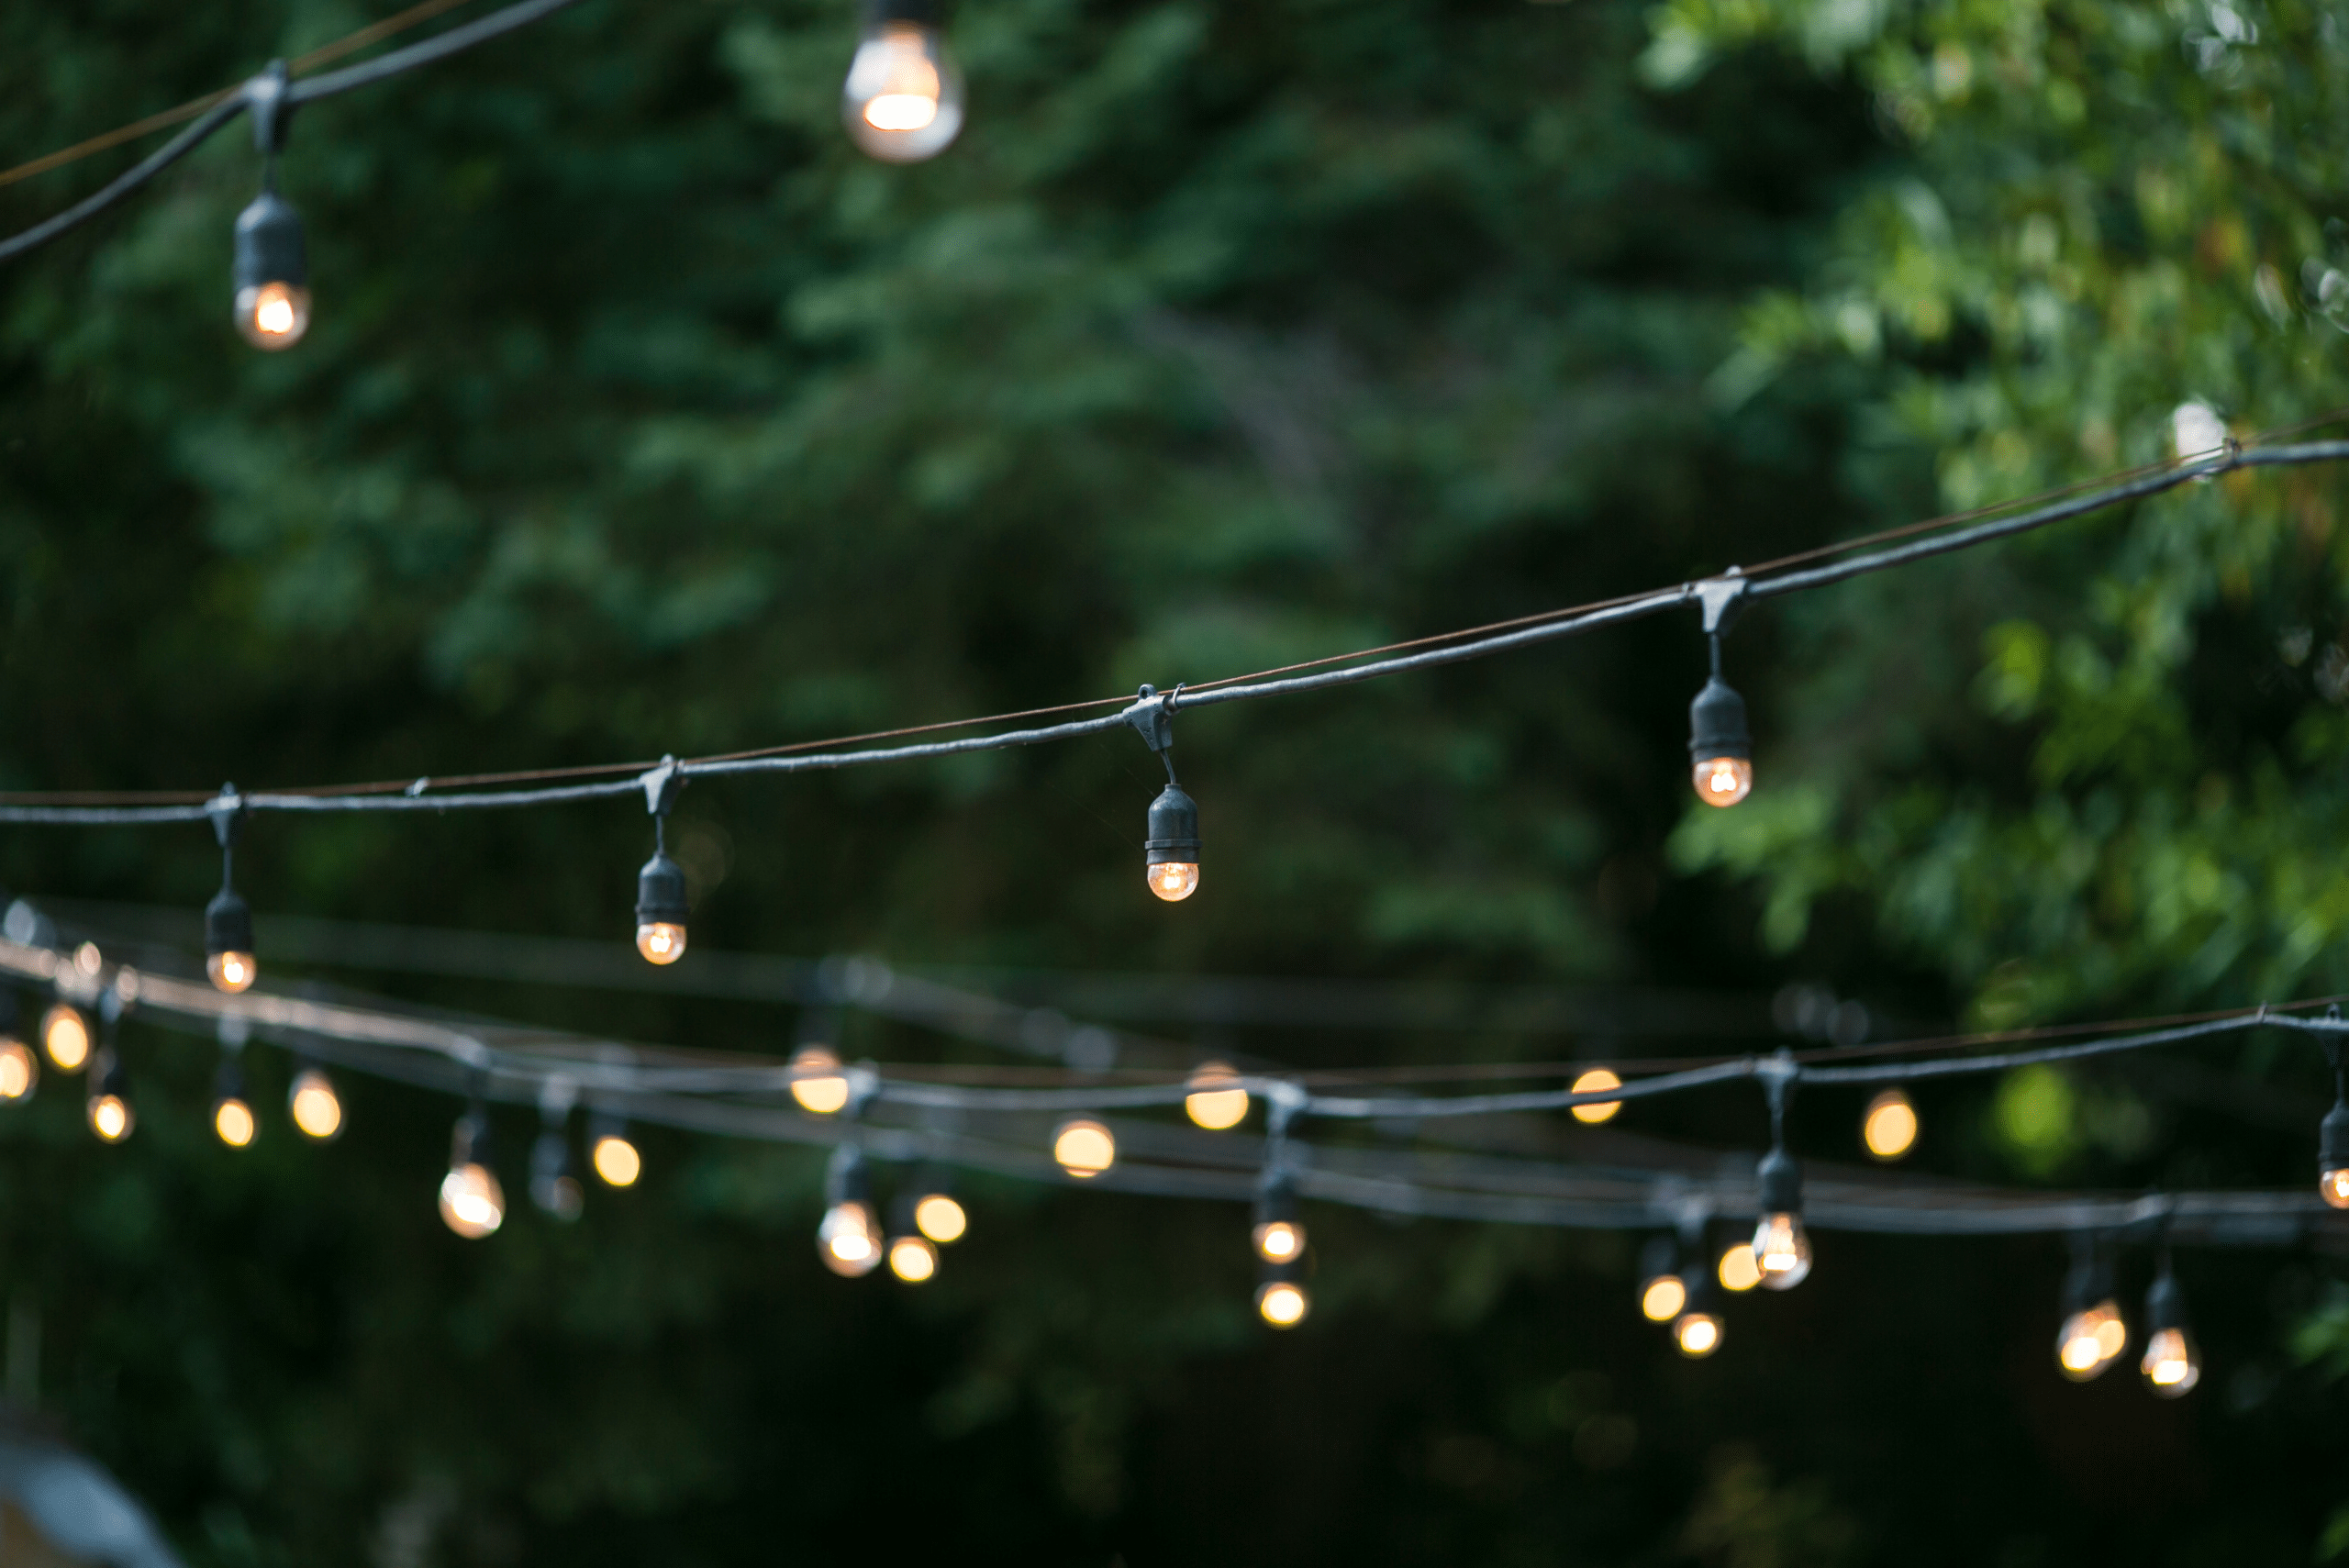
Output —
(936, 1213)
(816, 1082)
(228, 923)
(1279, 1234)
(1084, 1147)
(20, 1068)
(1781, 1246)
(849, 1239)
(1591, 1083)
(2093, 1334)
(1662, 1294)
(271, 276)
(108, 1105)
(1738, 1270)
(2172, 1364)
(616, 1158)
(472, 1203)
(903, 98)
(232, 1115)
(1698, 1331)
(2333, 1133)
(1171, 849)
(1216, 1102)
(315, 1107)
(65, 1035)
(1720, 751)
(1282, 1299)
(1889, 1127)
(911, 1257)
(554, 1189)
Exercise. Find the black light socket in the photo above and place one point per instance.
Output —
(1174, 829)
(1717, 724)
(269, 247)
(1779, 1179)
(661, 892)
(228, 924)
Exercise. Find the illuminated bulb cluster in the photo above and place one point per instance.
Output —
(851, 1241)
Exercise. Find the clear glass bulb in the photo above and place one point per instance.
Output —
(1597, 1078)
(912, 1259)
(1738, 1270)
(819, 1088)
(848, 1240)
(2333, 1185)
(111, 1117)
(1699, 1334)
(19, 1069)
(616, 1161)
(1723, 781)
(941, 1219)
(1781, 1252)
(903, 98)
(1173, 881)
(472, 1203)
(1084, 1148)
(1283, 1304)
(1889, 1129)
(65, 1035)
(2172, 1364)
(2090, 1341)
(661, 941)
(232, 972)
(273, 316)
(1216, 1102)
(233, 1121)
(1281, 1242)
(317, 1109)
(1661, 1298)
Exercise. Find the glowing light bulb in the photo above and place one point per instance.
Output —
(19, 1069)
(1283, 1303)
(232, 972)
(1723, 781)
(1282, 1241)
(2196, 431)
(848, 1240)
(317, 1109)
(1661, 1298)
(819, 1088)
(1084, 1147)
(1699, 1334)
(274, 314)
(1597, 1078)
(1738, 1270)
(65, 1035)
(111, 1117)
(1889, 1128)
(1216, 1101)
(2172, 1365)
(941, 1219)
(2333, 1185)
(616, 1161)
(1175, 881)
(903, 100)
(472, 1203)
(233, 1121)
(1781, 1252)
(661, 941)
(912, 1259)
(2090, 1341)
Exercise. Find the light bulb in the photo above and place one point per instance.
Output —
(19, 1069)
(1597, 1078)
(111, 1117)
(820, 1089)
(472, 1203)
(65, 1035)
(233, 1121)
(616, 1161)
(1699, 1334)
(903, 100)
(1738, 1270)
(1283, 1303)
(1216, 1101)
(1781, 1252)
(1175, 881)
(1282, 1241)
(1889, 1128)
(848, 1240)
(1723, 781)
(317, 1109)
(2172, 1365)
(232, 972)
(1084, 1147)
(2335, 1187)
(273, 316)
(661, 941)
(912, 1259)
(2090, 1341)
(941, 1219)
(1663, 1298)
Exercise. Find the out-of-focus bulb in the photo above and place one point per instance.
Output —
(19, 1069)
(2196, 430)
(317, 1109)
(819, 1087)
(1723, 781)
(1175, 881)
(912, 1259)
(1661, 1298)
(1597, 1078)
(233, 1121)
(1889, 1129)
(1283, 1304)
(848, 1240)
(274, 314)
(903, 100)
(232, 972)
(2172, 1365)
(1781, 1252)
(472, 1203)
(1282, 1241)
(111, 1117)
(661, 941)
(1699, 1334)
(941, 1219)
(616, 1161)
(1084, 1147)
(2091, 1340)
(1738, 1270)
(2335, 1187)
(65, 1035)
(1216, 1101)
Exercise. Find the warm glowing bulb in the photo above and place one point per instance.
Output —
(233, 1121)
(1284, 1303)
(818, 1086)
(65, 1035)
(1889, 1129)
(2090, 1341)
(616, 1161)
(1597, 1078)
(941, 1219)
(2171, 1365)
(1661, 1300)
(232, 972)
(661, 941)
(1175, 881)
(273, 316)
(1724, 781)
(2335, 1186)
(1084, 1147)
(1781, 1252)
(110, 1118)
(472, 1203)
(317, 1109)
(1281, 1242)
(1699, 1334)
(847, 1241)
(1738, 1270)
(1216, 1101)
(20, 1068)
(902, 100)
(912, 1259)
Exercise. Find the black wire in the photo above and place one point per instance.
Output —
(154, 163)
